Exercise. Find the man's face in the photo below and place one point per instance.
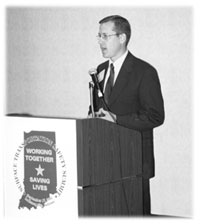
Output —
(110, 45)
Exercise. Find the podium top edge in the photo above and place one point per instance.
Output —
(25, 115)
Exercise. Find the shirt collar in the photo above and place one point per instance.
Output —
(119, 61)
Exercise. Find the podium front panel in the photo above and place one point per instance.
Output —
(121, 198)
(107, 152)
(40, 169)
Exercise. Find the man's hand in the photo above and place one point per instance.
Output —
(106, 115)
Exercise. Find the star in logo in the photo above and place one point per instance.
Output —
(40, 170)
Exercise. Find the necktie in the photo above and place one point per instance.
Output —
(109, 84)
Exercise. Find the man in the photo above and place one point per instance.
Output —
(132, 93)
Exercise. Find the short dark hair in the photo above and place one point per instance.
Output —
(121, 25)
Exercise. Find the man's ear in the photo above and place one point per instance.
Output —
(122, 38)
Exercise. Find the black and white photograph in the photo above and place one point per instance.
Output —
(99, 113)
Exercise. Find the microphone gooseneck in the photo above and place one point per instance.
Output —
(93, 73)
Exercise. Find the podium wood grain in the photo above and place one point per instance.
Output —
(109, 164)
(123, 198)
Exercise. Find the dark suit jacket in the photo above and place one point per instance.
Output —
(137, 101)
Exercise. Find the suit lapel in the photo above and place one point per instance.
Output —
(122, 79)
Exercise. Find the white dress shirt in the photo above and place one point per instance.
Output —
(117, 66)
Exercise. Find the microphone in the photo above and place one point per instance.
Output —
(93, 73)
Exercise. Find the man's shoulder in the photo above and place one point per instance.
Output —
(139, 63)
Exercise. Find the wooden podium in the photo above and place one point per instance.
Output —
(109, 163)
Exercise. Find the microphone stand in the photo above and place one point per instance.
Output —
(91, 88)
(100, 95)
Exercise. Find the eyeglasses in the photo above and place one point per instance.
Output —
(105, 36)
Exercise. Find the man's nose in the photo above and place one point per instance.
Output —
(101, 40)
